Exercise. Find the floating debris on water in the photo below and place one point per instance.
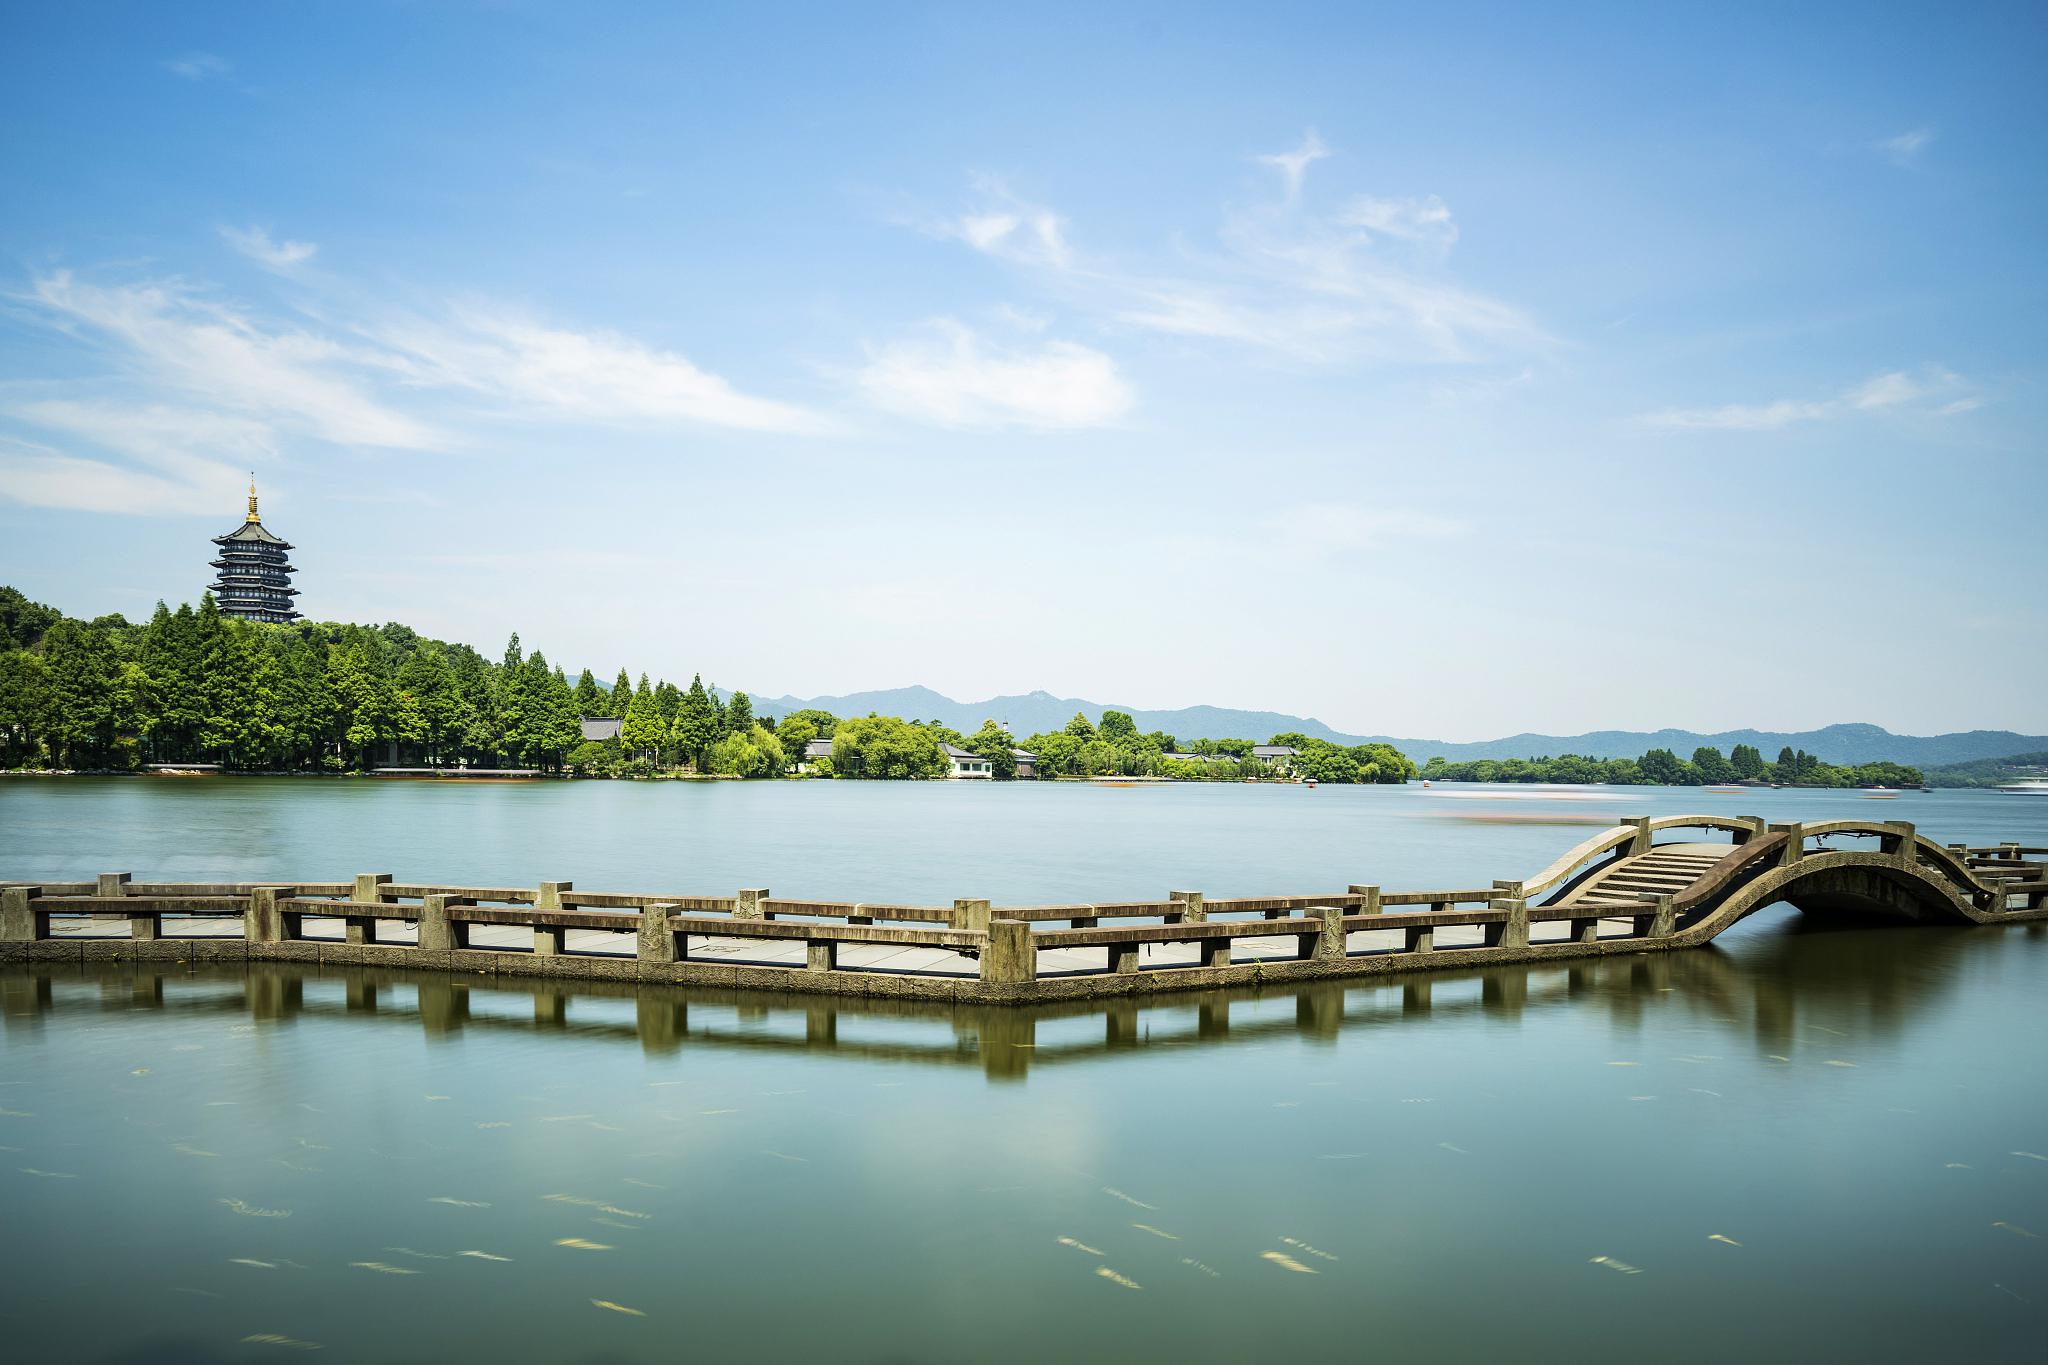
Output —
(2015, 1229)
(606, 1127)
(49, 1175)
(1302, 1246)
(2003, 1290)
(416, 1255)
(615, 1223)
(1079, 1246)
(248, 1210)
(784, 1156)
(275, 1339)
(1717, 1237)
(458, 1203)
(244, 1260)
(645, 1184)
(656, 1085)
(1286, 1262)
(1115, 1193)
(1453, 1147)
(16, 1114)
(1342, 1156)
(1638, 1099)
(483, 1256)
(611, 1307)
(1957, 1166)
(1623, 1266)
(579, 1244)
(381, 1268)
(718, 1111)
(2031, 1156)
(1124, 1280)
(432, 1098)
(140, 1071)
(1156, 1232)
(565, 1118)
(495, 1123)
(1837, 1061)
(1208, 1270)
(1776, 1058)
(187, 1149)
(1624, 1064)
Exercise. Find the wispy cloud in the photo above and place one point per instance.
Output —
(1366, 283)
(1905, 149)
(1893, 391)
(1005, 226)
(532, 367)
(951, 377)
(1293, 166)
(170, 334)
(281, 257)
(35, 475)
(198, 66)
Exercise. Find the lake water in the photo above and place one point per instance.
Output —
(1804, 1142)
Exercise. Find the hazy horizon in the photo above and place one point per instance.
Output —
(1457, 374)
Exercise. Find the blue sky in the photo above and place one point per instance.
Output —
(1452, 373)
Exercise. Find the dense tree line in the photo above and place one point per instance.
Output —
(1661, 767)
(196, 686)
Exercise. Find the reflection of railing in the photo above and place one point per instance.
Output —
(1620, 891)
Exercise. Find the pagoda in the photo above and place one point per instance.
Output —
(255, 580)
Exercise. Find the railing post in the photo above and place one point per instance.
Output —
(1507, 891)
(1331, 945)
(1370, 905)
(820, 955)
(370, 887)
(972, 915)
(749, 905)
(113, 884)
(1908, 850)
(1795, 842)
(1665, 922)
(657, 938)
(17, 921)
(550, 897)
(1755, 825)
(1641, 843)
(437, 930)
(1512, 932)
(262, 924)
(1010, 957)
(1191, 911)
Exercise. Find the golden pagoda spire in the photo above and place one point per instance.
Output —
(252, 497)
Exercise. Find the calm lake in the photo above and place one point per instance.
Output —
(1804, 1142)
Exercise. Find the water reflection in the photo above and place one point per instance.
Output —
(1770, 987)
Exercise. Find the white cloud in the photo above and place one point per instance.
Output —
(226, 358)
(601, 376)
(281, 257)
(952, 378)
(1293, 166)
(1905, 149)
(1424, 219)
(1880, 393)
(38, 476)
(1317, 289)
(1008, 227)
(198, 66)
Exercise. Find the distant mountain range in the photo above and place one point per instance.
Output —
(1035, 712)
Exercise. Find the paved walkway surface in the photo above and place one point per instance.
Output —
(852, 956)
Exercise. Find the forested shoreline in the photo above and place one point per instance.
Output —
(1708, 767)
(195, 686)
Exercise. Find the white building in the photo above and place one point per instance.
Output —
(966, 764)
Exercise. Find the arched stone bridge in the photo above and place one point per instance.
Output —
(1621, 891)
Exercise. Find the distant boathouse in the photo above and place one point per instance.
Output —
(255, 580)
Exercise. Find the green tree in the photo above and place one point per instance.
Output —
(1712, 768)
(620, 698)
(739, 714)
(1747, 762)
(994, 743)
(1079, 727)
(697, 725)
(642, 732)
(1117, 728)
(886, 747)
(590, 699)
